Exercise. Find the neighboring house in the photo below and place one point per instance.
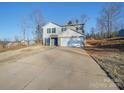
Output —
(71, 35)
(121, 33)
(28, 42)
(19, 43)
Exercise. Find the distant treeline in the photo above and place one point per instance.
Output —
(109, 22)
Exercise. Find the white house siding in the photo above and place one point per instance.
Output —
(68, 38)
(70, 33)
(50, 25)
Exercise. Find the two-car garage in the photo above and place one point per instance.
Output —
(71, 38)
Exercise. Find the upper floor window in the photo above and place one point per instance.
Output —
(77, 28)
(48, 30)
(63, 29)
(81, 28)
(53, 30)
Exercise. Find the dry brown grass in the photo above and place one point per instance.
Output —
(12, 48)
(110, 41)
(109, 54)
(111, 61)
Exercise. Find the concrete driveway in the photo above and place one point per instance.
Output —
(51, 69)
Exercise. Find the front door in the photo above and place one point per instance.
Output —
(56, 41)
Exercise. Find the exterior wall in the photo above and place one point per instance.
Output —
(51, 42)
(70, 33)
(68, 38)
(73, 27)
(47, 35)
(59, 41)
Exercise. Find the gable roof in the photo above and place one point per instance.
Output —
(77, 32)
(62, 25)
(52, 23)
(70, 33)
(55, 24)
(72, 24)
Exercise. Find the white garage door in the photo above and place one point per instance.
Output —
(72, 41)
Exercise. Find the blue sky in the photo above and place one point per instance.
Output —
(12, 14)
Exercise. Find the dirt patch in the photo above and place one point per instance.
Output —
(26, 50)
(113, 69)
(116, 43)
(11, 48)
(14, 55)
(101, 51)
(111, 61)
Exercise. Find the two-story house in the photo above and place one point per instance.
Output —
(71, 35)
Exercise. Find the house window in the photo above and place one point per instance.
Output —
(77, 29)
(63, 29)
(53, 30)
(47, 41)
(81, 28)
(48, 30)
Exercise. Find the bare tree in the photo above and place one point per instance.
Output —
(110, 16)
(72, 21)
(88, 35)
(16, 39)
(76, 21)
(38, 22)
(101, 27)
(122, 25)
(83, 19)
(93, 32)
(4, 42)
(24, 29)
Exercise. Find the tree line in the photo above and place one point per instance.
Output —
(109, 22)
